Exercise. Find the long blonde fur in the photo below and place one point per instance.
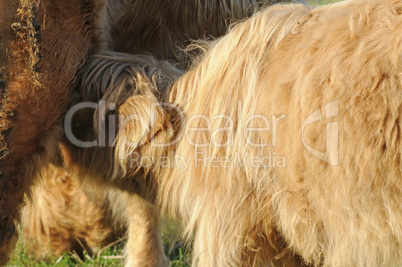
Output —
(290, 60)
(233, 205)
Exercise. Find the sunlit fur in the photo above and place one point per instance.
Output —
(45, 43)
(291, 60)
(62, 217)
(287, 60)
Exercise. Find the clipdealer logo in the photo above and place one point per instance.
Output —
(331, 153)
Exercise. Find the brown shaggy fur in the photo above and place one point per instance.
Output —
(39, 86)
(287, 60)
(47, 42)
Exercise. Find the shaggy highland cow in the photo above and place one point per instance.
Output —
(63, 217)
(47, 42)
(290, 130)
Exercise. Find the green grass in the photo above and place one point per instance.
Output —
(109, 256)
(112, 255)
